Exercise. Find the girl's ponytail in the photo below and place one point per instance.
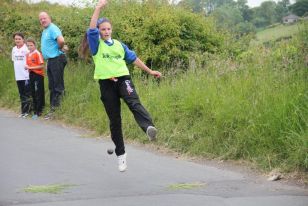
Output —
(83, 49)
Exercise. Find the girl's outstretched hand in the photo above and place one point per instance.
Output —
(144, 67)
(101, 3)
(156, 74)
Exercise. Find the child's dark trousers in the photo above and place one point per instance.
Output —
(24, 95)
(38, 92)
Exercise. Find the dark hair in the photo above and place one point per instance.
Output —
(102, 20)
(83, 49)
(18, 34)
(31, 40)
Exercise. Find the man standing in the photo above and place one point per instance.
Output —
(52, 43)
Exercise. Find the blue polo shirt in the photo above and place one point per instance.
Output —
(49, 45)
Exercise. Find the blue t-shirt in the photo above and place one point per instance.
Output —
(93, 40)
(49, 45)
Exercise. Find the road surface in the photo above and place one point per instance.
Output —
(41, 153)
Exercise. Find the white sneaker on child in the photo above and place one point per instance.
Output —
(122, 162)
(151, 133)
(23, 115)
(49, 115)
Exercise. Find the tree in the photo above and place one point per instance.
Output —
(211, 5)
(241, 4)
(268, 11)
(282, 9)
(285, 3)
(247, 13)
(207, 6)
(227, 17)
(265, 14)
(300, 7)
(195, 6)
(244, 28)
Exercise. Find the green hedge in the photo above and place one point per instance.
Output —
(161, 34)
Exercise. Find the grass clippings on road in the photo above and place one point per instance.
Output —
(52, 188)
(186, 186)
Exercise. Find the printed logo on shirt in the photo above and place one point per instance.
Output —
(108, 56)
(128, 87)
(19, 58)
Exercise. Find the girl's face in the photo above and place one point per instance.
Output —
(31, 46)
(105, 30)
(19, 41)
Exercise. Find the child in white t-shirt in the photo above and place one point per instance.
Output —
(21, 74)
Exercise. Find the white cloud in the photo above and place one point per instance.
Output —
(255, 3)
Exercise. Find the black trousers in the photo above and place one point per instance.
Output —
(38, 92)
(111, 93)
(55, 73)
(24, 95)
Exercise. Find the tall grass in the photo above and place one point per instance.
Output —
(254, 108)
(8, 87)
(82, 105)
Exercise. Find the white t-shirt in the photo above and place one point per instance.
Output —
(19, 59)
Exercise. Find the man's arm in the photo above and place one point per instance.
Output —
(60, 41)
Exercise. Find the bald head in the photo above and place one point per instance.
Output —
(45, 19)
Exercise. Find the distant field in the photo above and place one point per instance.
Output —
(276, 33)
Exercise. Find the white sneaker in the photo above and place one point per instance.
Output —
(24, 115)
(49, 115)
(151, 133)
(122, 162)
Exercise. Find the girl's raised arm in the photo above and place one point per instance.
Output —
(100, 4)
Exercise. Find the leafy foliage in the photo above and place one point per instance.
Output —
(234, 14)
(300, 7)
(164, 37)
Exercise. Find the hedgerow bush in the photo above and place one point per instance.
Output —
(161, 34)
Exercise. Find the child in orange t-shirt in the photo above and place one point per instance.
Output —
(35, 65)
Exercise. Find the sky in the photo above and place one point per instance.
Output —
(254, 3)
(250, 3)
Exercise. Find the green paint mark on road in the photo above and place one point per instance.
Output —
(186, 186)
(52, 188)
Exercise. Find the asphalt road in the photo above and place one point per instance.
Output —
(38, 152)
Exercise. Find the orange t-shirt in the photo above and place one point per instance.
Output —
(35, 58)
